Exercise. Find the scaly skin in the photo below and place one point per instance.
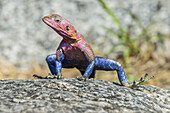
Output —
(75, 51)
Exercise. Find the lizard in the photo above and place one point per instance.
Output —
(74, 51)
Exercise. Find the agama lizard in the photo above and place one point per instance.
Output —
(75, 51)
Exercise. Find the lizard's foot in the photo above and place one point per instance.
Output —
(59, 76)
(84, 79)
(135, 83)
(50, 76)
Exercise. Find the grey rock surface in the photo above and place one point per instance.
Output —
(24, 38)
(70, 95)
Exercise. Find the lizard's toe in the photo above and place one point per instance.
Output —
(85, 79)
(59, 76)
(142, 80)
(37, 76)
(81, 78)
(50, 76)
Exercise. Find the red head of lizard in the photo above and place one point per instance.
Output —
(62, 26)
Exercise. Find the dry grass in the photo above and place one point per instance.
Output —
(9, 71)
(137, 70)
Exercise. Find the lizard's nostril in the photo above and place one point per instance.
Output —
(45, 18)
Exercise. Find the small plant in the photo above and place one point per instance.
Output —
(131, 45)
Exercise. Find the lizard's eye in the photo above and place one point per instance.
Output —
(67, 28)
(57, 19)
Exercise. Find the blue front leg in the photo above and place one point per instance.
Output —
(54, 62)
(89, 70)
(54, 65)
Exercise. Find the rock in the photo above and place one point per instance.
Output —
(71, 95)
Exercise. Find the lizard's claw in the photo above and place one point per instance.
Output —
(135, 83)
(81, 78)
(50, 76)
(59, 76)
(84, 78)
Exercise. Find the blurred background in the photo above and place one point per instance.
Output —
(135, 33)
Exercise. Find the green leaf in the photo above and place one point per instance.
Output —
(112, 32)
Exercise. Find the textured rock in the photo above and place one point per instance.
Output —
(71, 95)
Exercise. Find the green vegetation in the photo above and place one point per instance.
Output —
(131, 44)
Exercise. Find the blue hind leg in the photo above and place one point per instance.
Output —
(109, 65)
(106, 64)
